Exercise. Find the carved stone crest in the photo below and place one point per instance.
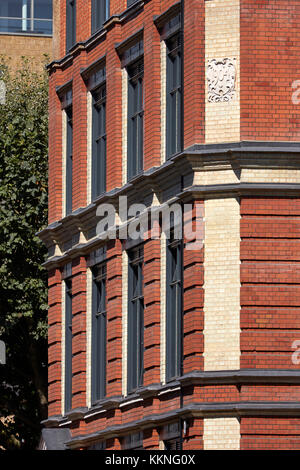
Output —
(221, 77)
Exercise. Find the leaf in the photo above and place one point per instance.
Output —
(23, 291)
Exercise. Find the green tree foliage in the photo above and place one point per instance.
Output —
(23, 293)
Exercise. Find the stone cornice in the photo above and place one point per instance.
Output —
(226, 377)
(98, 36)
(198, 410)
(245, 154)
(160, 20)
(233, 157)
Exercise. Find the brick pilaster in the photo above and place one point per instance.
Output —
(194, 72)
(79, 176)
(152, 85)
(194, 435)
(193, 274)
(114, 111)
(152, 311)
(54, 342)
(79, 332)
(114, 318)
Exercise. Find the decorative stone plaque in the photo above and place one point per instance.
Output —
(221, 77)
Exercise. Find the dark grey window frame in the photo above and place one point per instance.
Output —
(173, 444)
(135, 336)
(95, 79)
(100, 13)
(69, 158)
(133, 441)
(98, 446)
(173, 96)
(65, 95)
(68, 344)
(99, 332)
(98, 140)
(171, 436)
(174, 290)
(70, 24)
(135, 121)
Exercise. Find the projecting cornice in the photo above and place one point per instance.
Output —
(201, 171)
(97, 37)
(194, 409)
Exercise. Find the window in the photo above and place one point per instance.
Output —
(69, 158)
(100, 13)
(135, 361)
(171, 435)
(98, 446)
(99, 332)
(65, 95)
(71, 23)
(99, 141)
(172, 444)
(133, 441)
(173, 114)
(26, 16)
(135, 128)
(173, 307)
(68, 344)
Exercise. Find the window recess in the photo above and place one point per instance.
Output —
(135, 338)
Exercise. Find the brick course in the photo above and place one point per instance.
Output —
(241, 289)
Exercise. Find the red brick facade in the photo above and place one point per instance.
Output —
(269, 66)
(261, 394)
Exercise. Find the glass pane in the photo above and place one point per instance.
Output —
(12, 8)
(16, 20)
(11, 25)
(43, 27)
(43, 9)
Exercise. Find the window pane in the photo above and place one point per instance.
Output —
(135, 119)
(173, 86)
(16, 16)
(70, 24)
(10, 25)
(43, 9)
(135, 367)
(12, 8)
(68, 344)
(42, 27)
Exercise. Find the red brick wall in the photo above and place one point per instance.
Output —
(193, 92)
(270, 51)
(151, 439)
(55, 152)
(54, 342)
(194, 72)
(270, 227)
(194, 436)
(152, 311)
(270, 433)
(270, 292)
(114, 111)
(193, 297)
(114, 318)
(79, 340)
(152, 86)
(79, 187)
